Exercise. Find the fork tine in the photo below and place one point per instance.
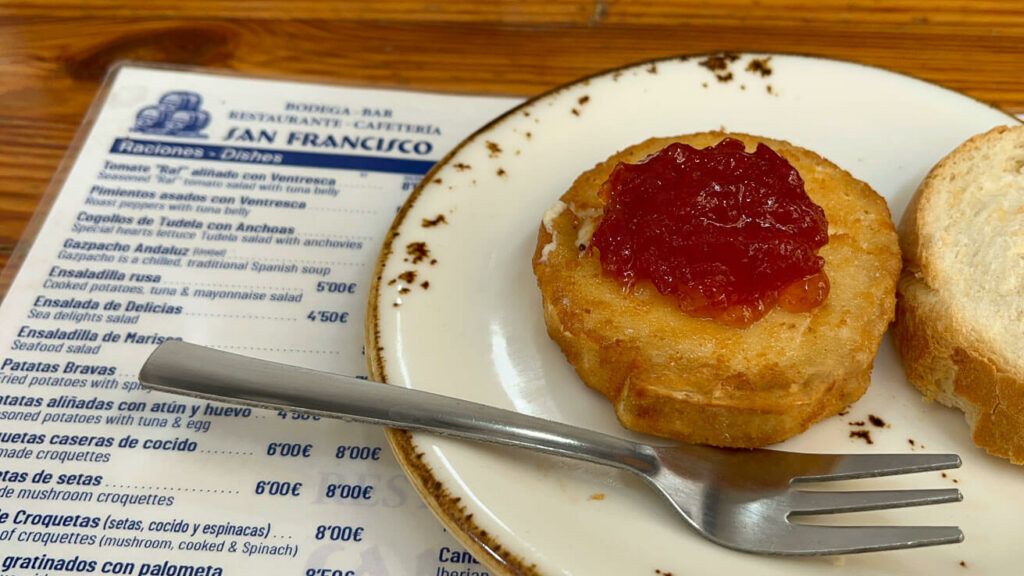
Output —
(852, 466)
(802, 502)
(804, 539)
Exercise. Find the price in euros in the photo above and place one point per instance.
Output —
(328, 316)
(349, 491)
(336, 287)
(287, 449)
(278, 488)
(340, 533)
(295, 416)
(357, 453)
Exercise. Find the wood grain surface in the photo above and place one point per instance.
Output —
(54, 54)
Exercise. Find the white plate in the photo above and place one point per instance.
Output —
(477, 330)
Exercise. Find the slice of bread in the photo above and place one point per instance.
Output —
(700, 381)
(960, 317)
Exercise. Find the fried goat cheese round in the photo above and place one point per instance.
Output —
(733, 319)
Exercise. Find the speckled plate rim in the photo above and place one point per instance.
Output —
(445, 505)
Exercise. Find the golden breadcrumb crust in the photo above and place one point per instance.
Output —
(698, 381)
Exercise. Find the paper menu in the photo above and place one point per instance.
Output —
(244, 214)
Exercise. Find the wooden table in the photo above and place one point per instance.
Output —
(54, 53)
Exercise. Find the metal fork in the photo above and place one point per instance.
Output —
(742, 499)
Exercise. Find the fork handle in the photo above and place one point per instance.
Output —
(201, 372)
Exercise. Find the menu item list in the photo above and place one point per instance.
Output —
(243, 214)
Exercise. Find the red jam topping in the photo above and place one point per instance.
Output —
(729, 233)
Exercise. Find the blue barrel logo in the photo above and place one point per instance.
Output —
(177, 113)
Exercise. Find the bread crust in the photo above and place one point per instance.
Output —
(947, 354)
(696, 380)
